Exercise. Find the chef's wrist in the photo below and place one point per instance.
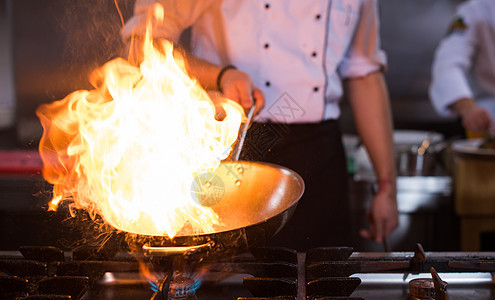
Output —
(464, 106)
(387, 185)
(221, 75)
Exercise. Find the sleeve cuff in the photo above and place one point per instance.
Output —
(362, 66)
(447, 91)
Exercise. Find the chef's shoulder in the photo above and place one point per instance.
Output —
(469, 14)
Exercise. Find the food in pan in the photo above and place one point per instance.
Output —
(488, 141)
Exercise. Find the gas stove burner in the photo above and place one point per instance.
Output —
(428, 288)
(182, 288)
(265, 273)
(176, 288)
(421, 288)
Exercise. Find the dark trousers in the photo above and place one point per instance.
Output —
(314, 151)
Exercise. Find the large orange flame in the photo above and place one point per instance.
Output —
(130, 149)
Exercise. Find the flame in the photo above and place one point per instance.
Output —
(157, 275)
(130, 149)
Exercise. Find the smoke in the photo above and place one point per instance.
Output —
(91, 30)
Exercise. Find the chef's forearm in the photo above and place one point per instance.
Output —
(370, 104)
(205, 72)
(463, 106)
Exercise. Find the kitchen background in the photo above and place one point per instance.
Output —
(49, 47)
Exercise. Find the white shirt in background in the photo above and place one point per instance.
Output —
(464, 63)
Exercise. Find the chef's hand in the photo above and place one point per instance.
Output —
(383, 216)
(474, 118)
(477, 120)
(238, 86)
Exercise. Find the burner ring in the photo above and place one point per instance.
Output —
(182, 288)
(422, 288)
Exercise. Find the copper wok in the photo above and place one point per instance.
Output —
(253, 201)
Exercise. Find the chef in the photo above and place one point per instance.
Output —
(296, 58)
(463, 72)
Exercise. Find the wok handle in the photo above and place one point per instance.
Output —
(237, 148)
(181, 250)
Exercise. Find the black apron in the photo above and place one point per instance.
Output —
(314, 151)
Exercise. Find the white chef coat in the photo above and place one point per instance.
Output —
(464, 63)
(296, 51)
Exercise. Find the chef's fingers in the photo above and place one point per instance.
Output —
(378, 231)
(370, 235)
(365, 234)
(238, 86)
(231, 92)
(245, 96)
(259, 99)
(479, 124)
(371, 232)
(485, 123)
(478, 120)
(388, 228)
(241, 94)
(388, 224)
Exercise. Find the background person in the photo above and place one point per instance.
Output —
(297, 58)
(463, 71)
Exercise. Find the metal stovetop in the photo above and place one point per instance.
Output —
(467, 275)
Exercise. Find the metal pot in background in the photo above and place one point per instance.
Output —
(411, 161)
(416, 154)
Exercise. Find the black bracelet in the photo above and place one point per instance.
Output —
(220, 75)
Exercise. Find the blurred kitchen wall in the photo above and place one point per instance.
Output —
(55, 44)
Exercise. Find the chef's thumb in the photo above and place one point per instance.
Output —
(246, 98)
(259, 99)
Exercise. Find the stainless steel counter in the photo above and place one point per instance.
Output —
(426, 213)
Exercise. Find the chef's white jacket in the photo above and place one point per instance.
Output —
(296, 51)
(464, 63)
